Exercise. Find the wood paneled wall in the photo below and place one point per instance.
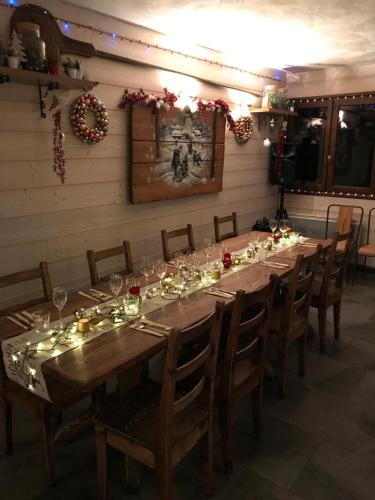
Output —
(40, 219)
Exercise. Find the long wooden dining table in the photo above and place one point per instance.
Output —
(85, 368)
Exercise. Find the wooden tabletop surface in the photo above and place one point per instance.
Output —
(84, 368)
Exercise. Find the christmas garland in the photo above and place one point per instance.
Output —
(58, 150)
(83, 104)
(169, 99)
(243, 129)
(280, 153)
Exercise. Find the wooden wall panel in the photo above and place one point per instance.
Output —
(42, 220)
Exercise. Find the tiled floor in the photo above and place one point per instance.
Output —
(318, 443)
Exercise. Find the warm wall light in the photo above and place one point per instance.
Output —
(179, 84)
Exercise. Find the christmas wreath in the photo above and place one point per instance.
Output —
(82, 105)
(243, 129)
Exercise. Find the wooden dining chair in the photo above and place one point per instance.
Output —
(94, 257)
(224, 220)
(166, 236)
(368, 249)
(41, 273)
(241, 365)
(289, 316)
(344, 224)
(328, 288)
(159, 428)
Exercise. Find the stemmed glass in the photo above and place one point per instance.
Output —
(284, 226)
(207, 247)
(160, 270)
(59, 298)
(115, 283)
(273, 225)
(147, 268)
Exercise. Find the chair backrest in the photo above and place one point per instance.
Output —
(344, 222)
(94, 257)
(177, 233)
(337, 261)
(298, 297)
(41, 273)
(247, 332)
(369, 225)
(200, 370)
(223, 220)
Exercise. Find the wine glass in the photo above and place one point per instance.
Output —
(115, 283)
(59, 298)
(207, 247)
(147, 268)
(160, 270)
(284, 226)
(273, 225)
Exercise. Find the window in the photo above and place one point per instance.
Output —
(333, 143)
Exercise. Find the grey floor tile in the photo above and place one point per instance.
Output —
(336, 474)
(281, 454)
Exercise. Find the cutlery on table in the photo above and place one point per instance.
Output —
(28, 315)
(224, 295)
(148, 329)
(281, 264)
(215, 289)
(155, 325)
(274, 266)
(100, 294)
(15, 321)
(89, 296)
(24, 319)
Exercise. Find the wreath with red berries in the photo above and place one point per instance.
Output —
(243, 129)
(81, 106)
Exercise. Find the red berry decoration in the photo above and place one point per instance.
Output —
(82, 105)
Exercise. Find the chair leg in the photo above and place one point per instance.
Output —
(257, 404)
(6, 430)
(43, 419)
(164, 473)
(225, 420)
(208, 471)
(101, 463)
(282, 351)
(336, 318)
(301, 345)
(322, 317)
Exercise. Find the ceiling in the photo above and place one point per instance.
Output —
(259, 33)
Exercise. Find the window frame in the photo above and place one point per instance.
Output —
(327, 187)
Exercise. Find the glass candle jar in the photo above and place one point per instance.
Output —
(131, 305)
(227, 260)
(35, 47)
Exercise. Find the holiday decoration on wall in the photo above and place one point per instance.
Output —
(58, 150)
(81, 106)
(169, 101)
(175, 152)
(243, 129)
(140, 97)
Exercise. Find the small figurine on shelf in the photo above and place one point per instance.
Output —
(16, 51)
(71, 67)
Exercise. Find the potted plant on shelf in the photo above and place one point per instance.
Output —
(71, 67)
(12, 58)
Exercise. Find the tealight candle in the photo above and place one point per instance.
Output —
(216, 274)
(83, 325)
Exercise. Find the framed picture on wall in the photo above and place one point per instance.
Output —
(175, 153)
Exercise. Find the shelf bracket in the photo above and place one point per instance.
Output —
(43, 92)
(4, 79)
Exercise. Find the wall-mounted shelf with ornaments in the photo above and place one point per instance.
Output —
(271, 112)
(44, 81)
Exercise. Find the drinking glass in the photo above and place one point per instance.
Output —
(284, 226)
(59, 298)
(41, 319)
(207, 247)
(147, 268)
(160, 270)
(133, 286)
(273, 225)
(115, 283)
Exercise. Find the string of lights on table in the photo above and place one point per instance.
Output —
(67, 25)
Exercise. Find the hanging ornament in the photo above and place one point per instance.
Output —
(243, 129)
(58, 150)
(82, 105)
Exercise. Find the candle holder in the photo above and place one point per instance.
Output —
(131, 305)
(227, 260)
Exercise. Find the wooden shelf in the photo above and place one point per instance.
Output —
(45, 79)
(273, 111)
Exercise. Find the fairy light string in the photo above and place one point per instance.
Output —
(67, 24)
